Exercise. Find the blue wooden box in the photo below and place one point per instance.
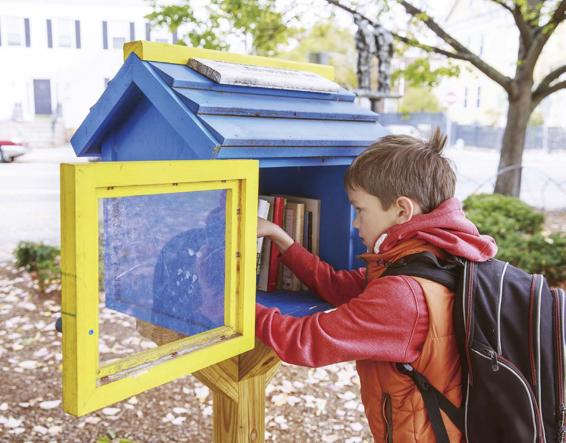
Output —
(304, 141)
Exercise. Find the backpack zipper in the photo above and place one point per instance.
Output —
(499, 301)
(559, 295)
(503, 362)
(387, 412)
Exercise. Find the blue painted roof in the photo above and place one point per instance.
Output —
(211, 120)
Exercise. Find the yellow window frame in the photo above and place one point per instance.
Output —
(87, 385)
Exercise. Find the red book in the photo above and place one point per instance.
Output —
(278, 219)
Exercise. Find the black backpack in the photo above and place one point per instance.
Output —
(509, 328)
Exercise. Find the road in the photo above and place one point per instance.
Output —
(29, 188)
(29, 198)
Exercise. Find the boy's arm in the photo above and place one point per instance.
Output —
(336, 287)
(388, 321)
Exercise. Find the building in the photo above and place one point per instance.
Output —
(56, 57)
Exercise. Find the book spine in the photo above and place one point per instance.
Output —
(278, 215)
(287, 282)
(298, 220)
(262, 212)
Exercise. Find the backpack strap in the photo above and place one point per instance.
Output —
(426, 265)
(434, 400)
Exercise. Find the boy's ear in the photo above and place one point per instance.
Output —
(406, 209)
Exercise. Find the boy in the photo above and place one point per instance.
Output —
(402, 189)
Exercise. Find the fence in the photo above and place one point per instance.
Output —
(538, 137)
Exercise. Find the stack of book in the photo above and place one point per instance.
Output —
(300, 218)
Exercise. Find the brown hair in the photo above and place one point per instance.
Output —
(401, 165)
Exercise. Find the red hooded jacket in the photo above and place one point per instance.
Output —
(387, 320)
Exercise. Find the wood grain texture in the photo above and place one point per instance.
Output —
(238, 385)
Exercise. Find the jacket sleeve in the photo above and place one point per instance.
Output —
(388, 321)
(336, 287)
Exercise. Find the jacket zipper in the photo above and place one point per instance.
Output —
(558, 295)
(498, 360)
(387, 412)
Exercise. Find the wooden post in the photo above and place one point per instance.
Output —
(238, 385)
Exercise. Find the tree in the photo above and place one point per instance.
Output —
(419, 100)
(257, 21)
(336, 42)
(536, 21)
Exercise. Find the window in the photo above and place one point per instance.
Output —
(465, 97)
(478, 101)
(118, 33)
(17, 33)
(161, 35)
(65, 36)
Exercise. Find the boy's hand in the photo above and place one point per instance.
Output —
(266, 228)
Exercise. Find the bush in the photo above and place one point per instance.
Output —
(500, 215)
(517, 229)
(41, 261)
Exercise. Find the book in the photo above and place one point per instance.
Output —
(311, 238)
(278, 216)
(262, 212)
(266, 249)
(311, 224)
(294, 220)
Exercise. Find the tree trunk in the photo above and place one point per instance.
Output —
(510, 162)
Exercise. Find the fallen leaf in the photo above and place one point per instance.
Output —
(50, 404)
(28, 364)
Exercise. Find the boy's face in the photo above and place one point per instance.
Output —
(371, 219)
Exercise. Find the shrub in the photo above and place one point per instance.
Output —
(500, 215)
(41, 261)
(517, 229)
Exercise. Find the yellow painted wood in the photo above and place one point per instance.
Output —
(233, 207)
(68, 277)
(184, 345)
(113, 192)
(248, 255)
(178, 54)
(159, 374)
(87, 386)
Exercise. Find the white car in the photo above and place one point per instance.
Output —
(404, 130)
(10, 149)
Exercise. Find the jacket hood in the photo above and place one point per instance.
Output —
(447, 228)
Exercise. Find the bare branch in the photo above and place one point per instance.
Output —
(524, 29)
(541, 95)
(552, 75)
(352, 11)
(407, 40)
(464, 52)
(428, 48)
(543, 33)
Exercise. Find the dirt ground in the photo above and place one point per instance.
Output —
(303, 405)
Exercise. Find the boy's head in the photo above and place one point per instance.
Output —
(396, 178)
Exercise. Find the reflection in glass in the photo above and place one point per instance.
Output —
(164, 258)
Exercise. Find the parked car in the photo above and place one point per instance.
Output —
(404, 130)
(10, 149)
